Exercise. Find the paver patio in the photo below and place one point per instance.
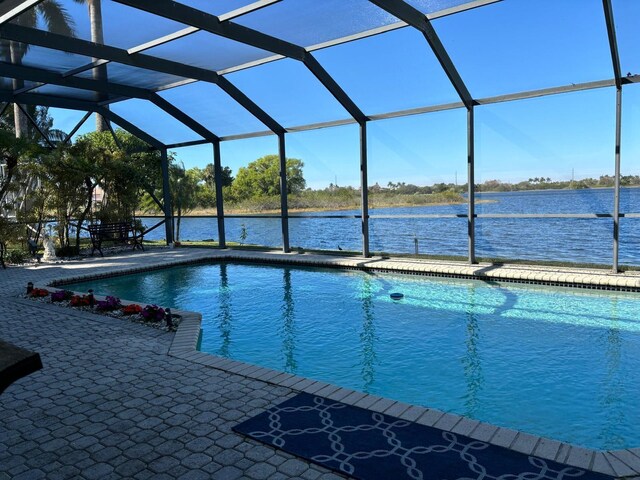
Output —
(111, 403)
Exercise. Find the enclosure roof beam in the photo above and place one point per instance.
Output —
(114, 136)
(28, 89)
(470, 5)
(192, 143)
(58, 102)
(176, 35)
(48, 101)
(419, 20)
(183, 117)
(239, 33)
(9, 9)
(613, 42)
(77, 127)
(190, 30)
(577, 87)
(131, 128)
(95, 50)
(164, 39)
(40, 75)
(543, 92)
(36, 126)
(252, 7)
(84, 68)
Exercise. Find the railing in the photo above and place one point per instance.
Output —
(451, 241)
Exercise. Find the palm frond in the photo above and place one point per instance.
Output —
(56, 18)
(5, 50)
(28, 18)
(56, 135)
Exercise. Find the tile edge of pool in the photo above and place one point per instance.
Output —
(570, 277)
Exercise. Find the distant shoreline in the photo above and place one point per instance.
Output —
(240, 211)
(212, 212)
(553, 189)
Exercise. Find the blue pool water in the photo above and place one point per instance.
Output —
(561, 363)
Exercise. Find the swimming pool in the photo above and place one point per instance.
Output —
(560, 363)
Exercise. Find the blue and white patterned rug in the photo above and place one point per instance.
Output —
(369, 445)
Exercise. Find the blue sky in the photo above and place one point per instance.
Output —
(507, 47)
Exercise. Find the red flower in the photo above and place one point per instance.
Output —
(79, 301)
(39, 292)
(131, 309)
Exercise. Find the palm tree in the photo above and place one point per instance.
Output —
(57, 20)
(97, 36)
(45, 122)
(209, 176)
(12, 151)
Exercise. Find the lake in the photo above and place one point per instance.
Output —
(584, 240)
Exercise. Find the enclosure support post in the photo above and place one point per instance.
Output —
(471, 190)
(616, 191)
(166, 195)
(217, 173)
(284, 208)
(615, 63)
(364, 190)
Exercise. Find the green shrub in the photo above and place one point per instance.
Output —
(16, 256)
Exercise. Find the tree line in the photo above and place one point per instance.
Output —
(256, 188)
(545, 183)
(494, 185)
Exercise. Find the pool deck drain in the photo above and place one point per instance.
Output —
(107, 403)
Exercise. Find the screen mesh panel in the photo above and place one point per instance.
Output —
(510, 47)
(134, 76)
(289, 93)
(59, 91)
(203, 49)
(6, 83)
(122, 26)
(309, 22)
(417, 151)
(431, 6)
(155, 121)
(66, 120)
(392, 79)
(627, 19)
(331, 158)
(49, 59)
(209, 105)
(218, 7)
(514, 140)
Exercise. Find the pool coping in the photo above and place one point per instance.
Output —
(618, 463)
(569, 277)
